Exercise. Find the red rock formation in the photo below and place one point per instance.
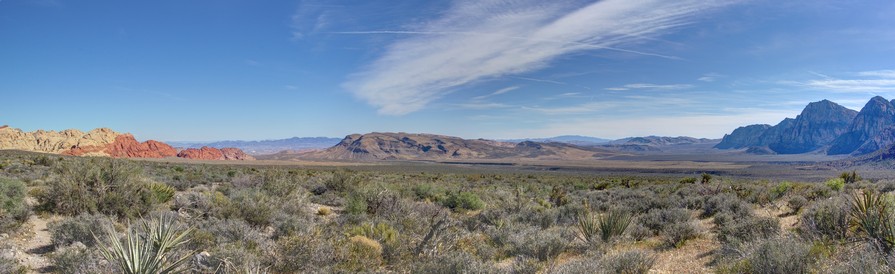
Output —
(126, 146)
(204, 153)
(235, 154)
(3, 126)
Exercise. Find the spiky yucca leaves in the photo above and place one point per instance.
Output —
(606, 226)
(148, 248)
(872, 217)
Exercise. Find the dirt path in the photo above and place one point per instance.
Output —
(33, 243)
(36, 245)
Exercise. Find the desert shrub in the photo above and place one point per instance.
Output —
(79, 259)
(452, 262)
(356, 205)
(13, 210)
(634, 262)
(111, 187)
(463, 201)
(639, 232)
(302, 253)
(688, 180)
(796, 203)
(361, 254)
(726, 203)
(749, 229)
(428, 192)
(677, 234)
(80, 228)
(253, 206)
(826, 219)
(527, 265)
(786, 255)
(863, 259)
(539, 244)
(780, 189)
(658, 219)
(233, 231)
(228, 258)
(342, 181)
(835, 184)
(588, 264)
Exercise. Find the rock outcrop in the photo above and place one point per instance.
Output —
(210, 153)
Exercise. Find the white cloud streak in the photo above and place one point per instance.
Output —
(650, 87)
(497, 92)
(481, 40)
(867, 81)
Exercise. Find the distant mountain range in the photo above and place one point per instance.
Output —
(568, 139)
(267, 146)
(409, 146)
(822, 127)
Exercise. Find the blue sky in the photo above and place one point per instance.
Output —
(225, 69)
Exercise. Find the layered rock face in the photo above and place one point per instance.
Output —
(97, 142)
(210, 153)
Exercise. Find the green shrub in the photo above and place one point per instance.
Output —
(688, 180)
(356, 205)
(450, 263)
(428, 192)
(302, 253)
(464, 201)
(836, 184)
(780, 189)
(97, 185)
(13, 210)
(342, 181)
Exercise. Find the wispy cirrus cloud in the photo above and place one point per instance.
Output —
(650, 87)
(480, 40)
(496, 92)
(864, 81)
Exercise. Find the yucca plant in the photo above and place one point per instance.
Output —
(606, 226)
(872, 217)
(148, 248)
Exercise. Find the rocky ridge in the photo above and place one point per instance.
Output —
(97, 142)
